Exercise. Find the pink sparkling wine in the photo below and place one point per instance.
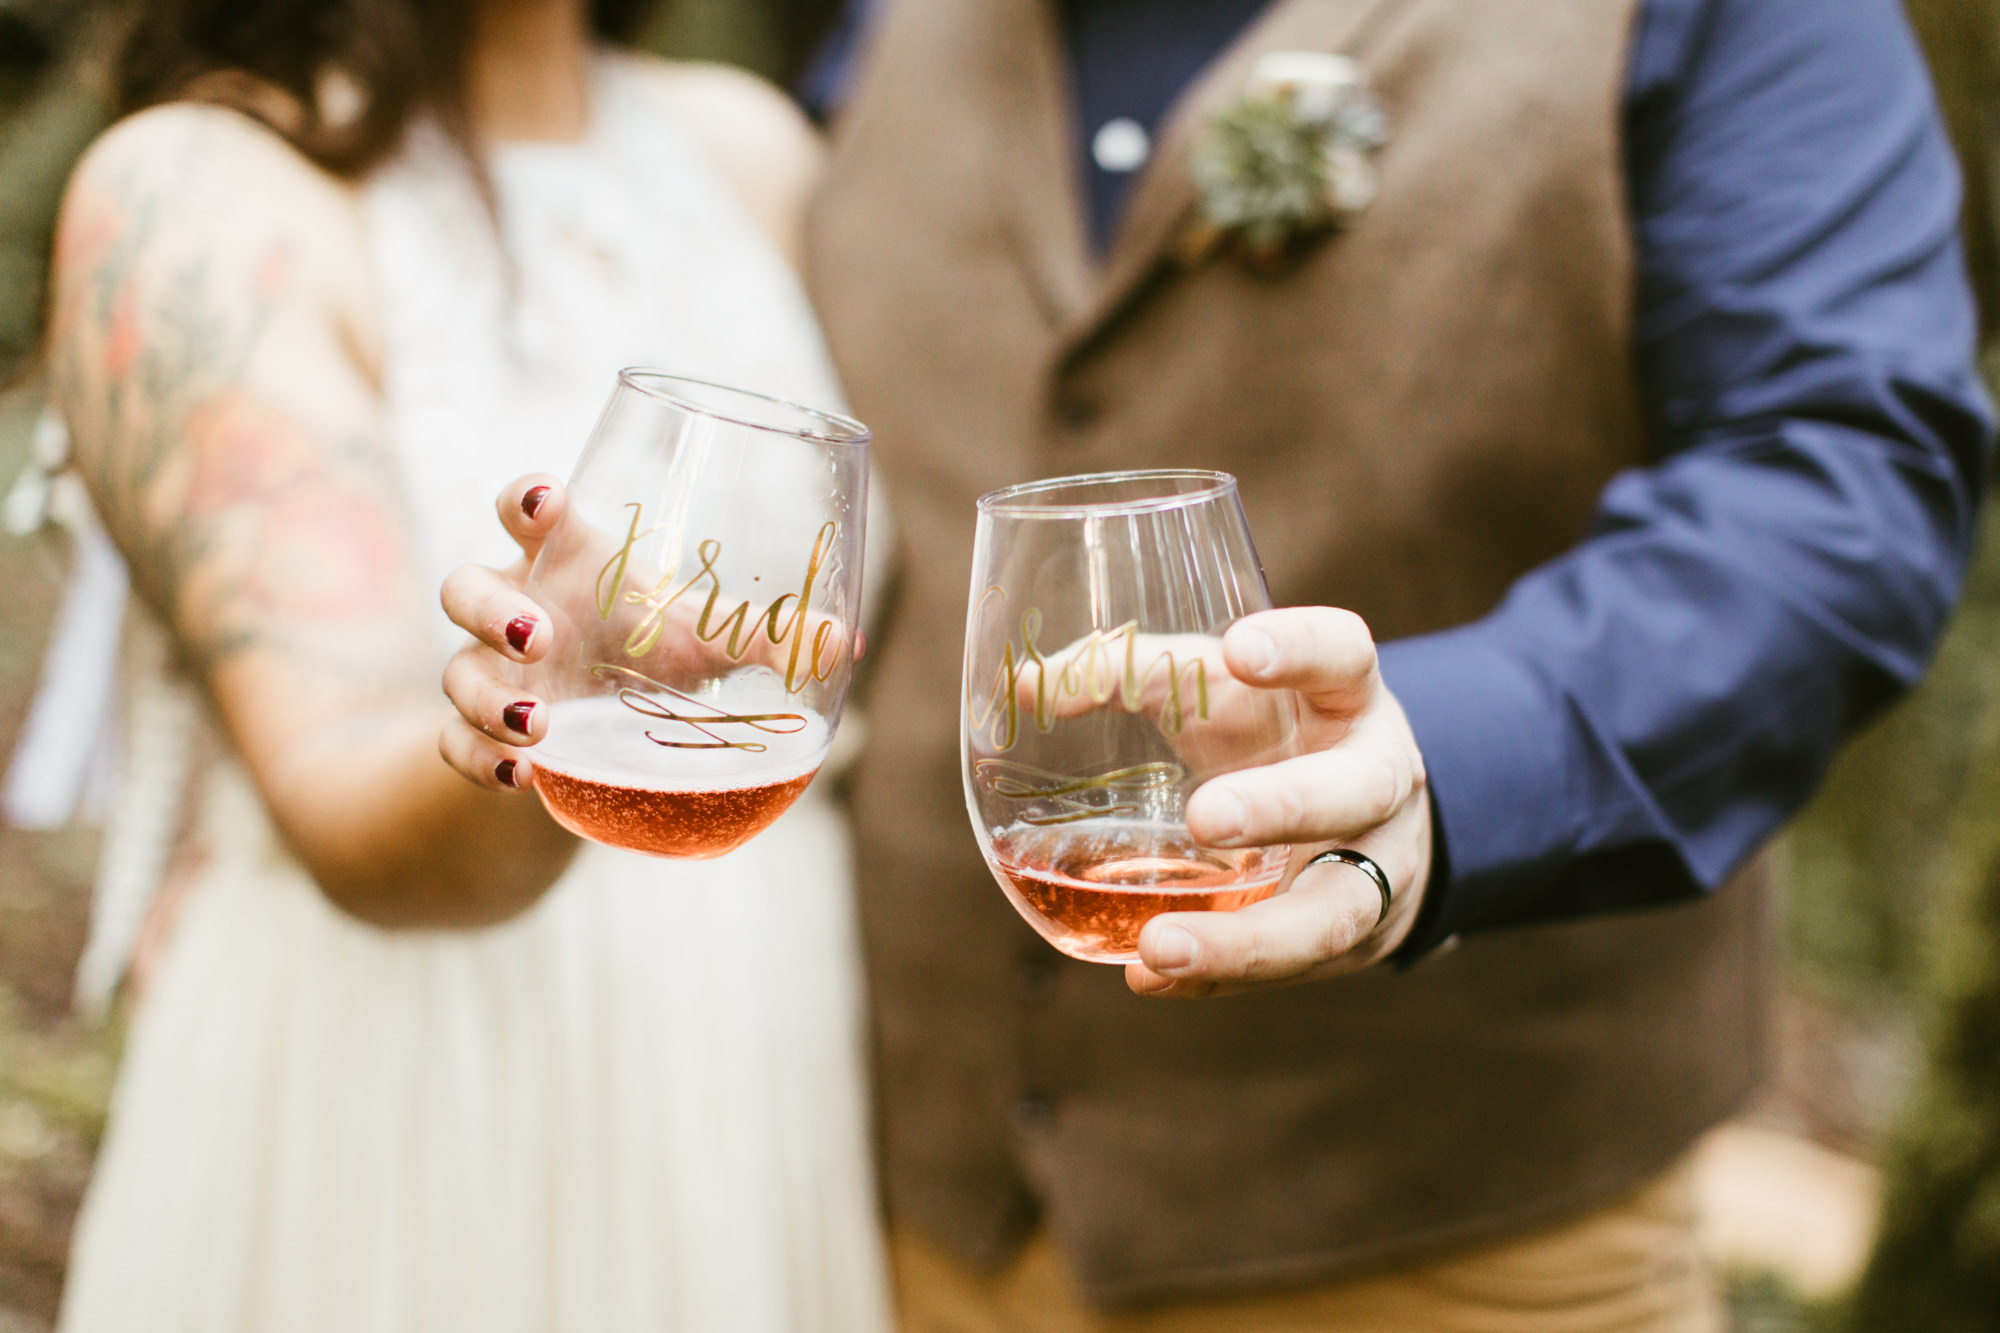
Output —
(601, 779)
(1091, 886)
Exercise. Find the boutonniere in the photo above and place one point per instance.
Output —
(1292, 158)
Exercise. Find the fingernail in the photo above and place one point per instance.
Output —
(1174, 951)
(531, 503)
(519, 630)
(504, 770)
(516, 716)
(1256, 651)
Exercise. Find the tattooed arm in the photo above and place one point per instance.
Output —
(216, 354)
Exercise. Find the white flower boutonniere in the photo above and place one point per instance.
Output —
(1290, 159)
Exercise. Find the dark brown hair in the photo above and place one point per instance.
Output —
(272, 58)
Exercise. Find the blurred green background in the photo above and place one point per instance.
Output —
(1890, 1025)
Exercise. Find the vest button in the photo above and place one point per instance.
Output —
(1035, 974)
(1032, 1113)
(1077, 410)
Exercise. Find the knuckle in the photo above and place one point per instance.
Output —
(1215, 950)
(468, 689)
(462, 670)
(1342, 639)
(1382, 791)
(1338, 914)
(465, 581)
(1251, 956)
(1348, 628)
(1341, 929)
(1259, 948)
(1287, 803)
(1409, 772)
(456, 744)
(1332, 936)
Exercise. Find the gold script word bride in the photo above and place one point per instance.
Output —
(780, 626)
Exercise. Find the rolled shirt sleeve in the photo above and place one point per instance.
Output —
(1638, 715)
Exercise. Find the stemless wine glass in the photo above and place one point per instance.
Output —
(702, 589)
(1096, 701)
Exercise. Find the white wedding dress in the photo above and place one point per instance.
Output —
(640, 1106)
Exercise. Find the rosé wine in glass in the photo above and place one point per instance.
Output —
(1090, 887)
(694, 806)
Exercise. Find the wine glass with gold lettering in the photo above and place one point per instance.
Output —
(1095, 701)
(702, 588)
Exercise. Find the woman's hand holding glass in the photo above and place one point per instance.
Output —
(497, 719)
(676, 642)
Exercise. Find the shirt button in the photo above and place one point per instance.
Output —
(1120, 146)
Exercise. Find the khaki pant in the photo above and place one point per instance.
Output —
(1633, 1267)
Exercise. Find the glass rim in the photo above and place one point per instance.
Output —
(1006, 499)
(655, 384)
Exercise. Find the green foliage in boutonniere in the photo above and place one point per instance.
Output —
(1291, 159)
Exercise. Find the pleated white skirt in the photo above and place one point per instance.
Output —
(638, 1107)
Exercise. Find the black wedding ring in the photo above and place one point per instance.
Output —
(1366, 865)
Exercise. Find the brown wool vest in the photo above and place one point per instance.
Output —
(1422, 409)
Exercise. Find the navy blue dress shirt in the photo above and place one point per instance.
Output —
(1640, 714)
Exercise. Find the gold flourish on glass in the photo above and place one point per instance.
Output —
(702, 588)
(1095, 701)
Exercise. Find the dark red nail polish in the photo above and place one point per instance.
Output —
(504, 770)
(519, 630)
(531, 503)
(516, 716)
